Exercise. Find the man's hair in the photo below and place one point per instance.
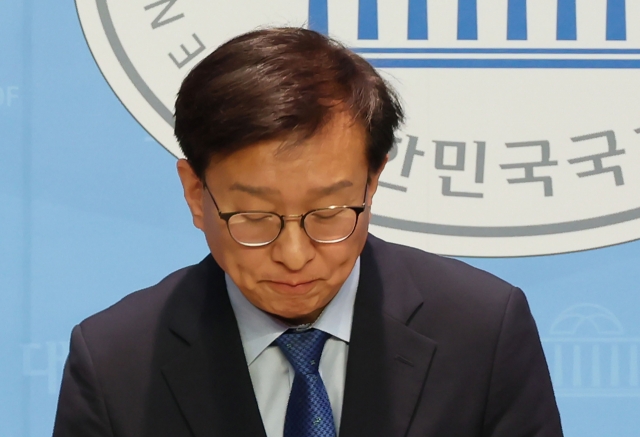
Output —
(280, 84)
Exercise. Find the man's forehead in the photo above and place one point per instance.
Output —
(260, 190)
(332, 149)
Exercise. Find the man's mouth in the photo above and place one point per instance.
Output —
(294, 288)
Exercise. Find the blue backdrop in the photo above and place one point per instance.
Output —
(91, 210)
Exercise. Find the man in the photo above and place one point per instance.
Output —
(301, 324)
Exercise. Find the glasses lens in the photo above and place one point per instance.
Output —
(254, 228)
(331, 224)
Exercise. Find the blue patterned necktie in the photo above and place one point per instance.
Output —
(309, 411)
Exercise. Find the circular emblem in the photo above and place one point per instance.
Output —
(522, 137)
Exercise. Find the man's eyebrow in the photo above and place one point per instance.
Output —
(263, 191)
(325, 191)
(256, 191)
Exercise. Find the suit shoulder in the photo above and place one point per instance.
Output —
(422, 265)
(136, 312)
(443, 282)
(462, 307)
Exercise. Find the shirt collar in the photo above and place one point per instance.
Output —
(258, 329)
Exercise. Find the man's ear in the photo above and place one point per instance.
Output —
(193, 192)
(373, 181)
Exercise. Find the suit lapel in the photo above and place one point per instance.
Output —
(388, 361)
(387, 366)
(210, 380)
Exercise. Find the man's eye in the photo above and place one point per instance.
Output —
(326, 215)
(257, 217)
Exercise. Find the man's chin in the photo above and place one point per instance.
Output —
(296, 315)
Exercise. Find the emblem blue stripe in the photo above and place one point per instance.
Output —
(418, 22)
(517, 20)
(467, 20)
(319, 16)
(566, 21)
(616, 20)
(368, 19)
(505, 63)
(417, 50)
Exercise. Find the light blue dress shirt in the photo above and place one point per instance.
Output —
(271, 373)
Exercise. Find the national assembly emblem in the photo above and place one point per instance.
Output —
(522, 137)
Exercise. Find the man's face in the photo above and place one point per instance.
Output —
(294, 277)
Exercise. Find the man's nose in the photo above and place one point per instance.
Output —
(293, 247)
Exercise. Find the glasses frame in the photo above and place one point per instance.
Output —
(226, 216)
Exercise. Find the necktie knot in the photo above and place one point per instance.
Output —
(303, 349)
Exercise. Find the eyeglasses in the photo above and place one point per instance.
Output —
(323, 225)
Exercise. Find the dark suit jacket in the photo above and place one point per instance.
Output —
(438, 348)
